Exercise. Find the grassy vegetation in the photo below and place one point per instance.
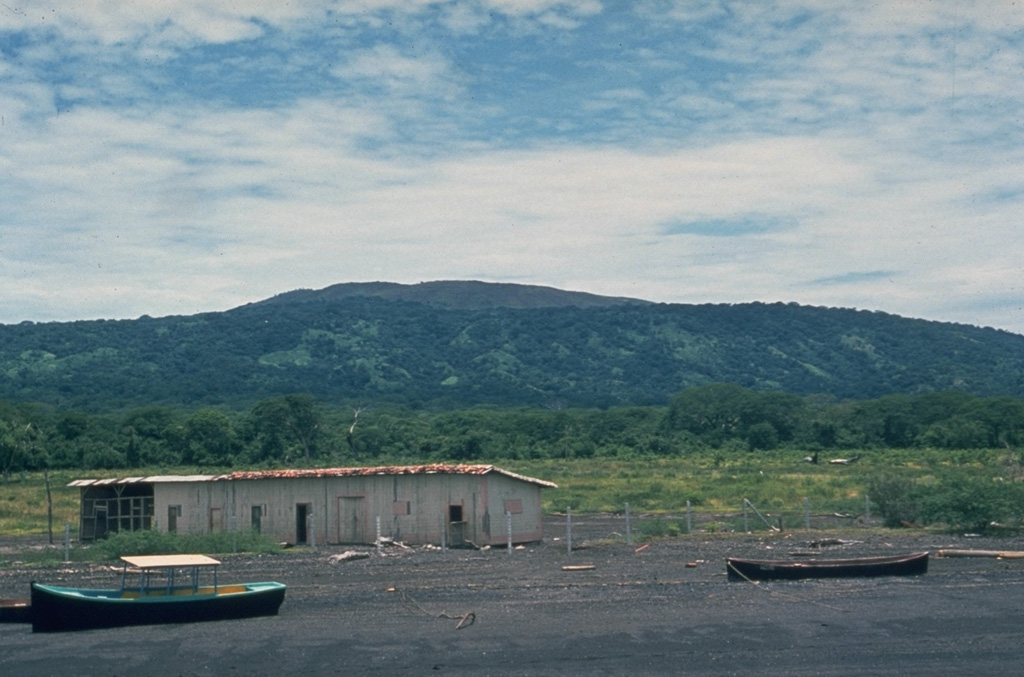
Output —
(966, 489)
(161, 543)
(960, 489)
(23, 504)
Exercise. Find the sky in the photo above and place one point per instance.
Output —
(172, 157)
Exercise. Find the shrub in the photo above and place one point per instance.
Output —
(152, 542)
(970, 503)
(893, 497)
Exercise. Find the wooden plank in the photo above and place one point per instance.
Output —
(1002, 554)
(164, 561)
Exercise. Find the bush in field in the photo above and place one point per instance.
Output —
(956, 500)
(971, 503)
(893, 497)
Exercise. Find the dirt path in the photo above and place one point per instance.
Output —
(643, 612)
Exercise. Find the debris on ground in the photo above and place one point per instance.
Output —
(348, 556)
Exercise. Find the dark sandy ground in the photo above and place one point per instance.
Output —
(642, 613)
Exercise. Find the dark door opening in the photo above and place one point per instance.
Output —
(456, 526)
(101, 522)
(257, 518)
(302, 513)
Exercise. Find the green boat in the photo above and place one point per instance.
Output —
(161, 596)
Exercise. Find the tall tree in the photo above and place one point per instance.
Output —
(292, 416)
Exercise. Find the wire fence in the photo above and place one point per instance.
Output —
(632, 527)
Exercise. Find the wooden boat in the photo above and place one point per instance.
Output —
(757, 570)
(157, 598)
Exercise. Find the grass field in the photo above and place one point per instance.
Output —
(719, 481)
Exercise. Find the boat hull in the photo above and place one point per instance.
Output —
(15, 610)
(56, 609)
(758, 570)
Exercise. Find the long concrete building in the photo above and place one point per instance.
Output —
(416, 504)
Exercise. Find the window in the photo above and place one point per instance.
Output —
(401, 508)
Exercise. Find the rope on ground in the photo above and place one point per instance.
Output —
(465, 620)
(776, 593)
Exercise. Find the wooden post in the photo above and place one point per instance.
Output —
(508, 524)
(629, 533)
(689, 520)
(49, 505)
(568, 528)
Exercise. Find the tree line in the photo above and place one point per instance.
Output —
(300, 430)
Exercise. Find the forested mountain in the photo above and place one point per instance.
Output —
(465, 295)
(455, 344)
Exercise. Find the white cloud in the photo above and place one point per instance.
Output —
(384, 67)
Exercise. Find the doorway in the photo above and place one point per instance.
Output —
(216, 520)
(456, 526)
(351, 520)
(302, 513)
(101, 522)
(173, 513)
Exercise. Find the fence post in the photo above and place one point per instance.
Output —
(568, 528)
(629, 533)
(689, 520)
(807, 513)
(508, 526)
(746, 518)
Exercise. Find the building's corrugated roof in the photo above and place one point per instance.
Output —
(146, 480)
(425, 469)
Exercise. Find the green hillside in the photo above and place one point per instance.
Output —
(451, 345)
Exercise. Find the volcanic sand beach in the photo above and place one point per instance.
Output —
(663, 609)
